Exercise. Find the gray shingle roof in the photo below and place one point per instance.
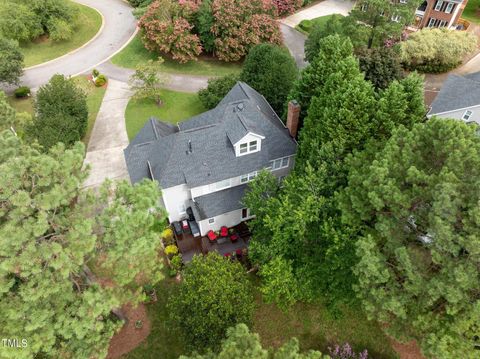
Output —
(209, 136)
(457, 92)
(217, 203)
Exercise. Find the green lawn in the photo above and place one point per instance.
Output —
(94, 100)
(472, 11)
(306, 26)
(135, 53)
(177, 106)
(42, 49)
(312, 324)
(21, 104)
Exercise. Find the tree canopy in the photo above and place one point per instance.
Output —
(11, 62)
(69, 257)
(417, 204)
(10, 119)
(216, 90)
(215, 294)
(61, 113)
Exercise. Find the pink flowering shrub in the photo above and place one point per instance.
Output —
(287, 7)
(241, 24)
(346, 352)
(165, 30)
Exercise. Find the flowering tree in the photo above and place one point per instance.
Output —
(165, 29)
(240, 24)
(345, 351)
(287, 7)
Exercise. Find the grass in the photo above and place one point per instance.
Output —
(472, 11)
(177, 106)
(43, 49)
(305, 26)
(135, 53)
(312, 324)
(94, 100)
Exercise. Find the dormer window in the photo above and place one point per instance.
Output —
(243, 148)
(252, 146)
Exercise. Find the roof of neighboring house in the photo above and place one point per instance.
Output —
(216, 203)
(457, 92)
(200, 151)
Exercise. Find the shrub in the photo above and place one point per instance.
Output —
(306, 25)
(270, 70)
(176, 262)
(436, 50)
(214, 295)
(61, 113)
(167, 236)
(216, 90)
(95, 72)
(100, 80)
(22, 92)
(171, 250)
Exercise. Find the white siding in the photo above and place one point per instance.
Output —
(173, 198)
(229, 219)
(458, 115)
(247, 139)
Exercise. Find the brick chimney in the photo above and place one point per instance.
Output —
(293, 117)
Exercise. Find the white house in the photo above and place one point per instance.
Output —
(459, 99)
(203, 165)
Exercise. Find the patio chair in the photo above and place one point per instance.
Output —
(234, 237)
(224, 231)
(238, 252)
(211, 236)
(227, 255)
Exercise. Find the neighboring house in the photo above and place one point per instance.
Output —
(439, 13)
(203, 164)
(459, 98)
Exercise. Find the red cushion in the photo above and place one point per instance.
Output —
(234, 237)
(239, 252)
(224, 231)
(227, 254)
(211, 235)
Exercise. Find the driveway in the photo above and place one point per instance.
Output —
(109, 137)
(295, 42)
(327, 7)
(119, 26)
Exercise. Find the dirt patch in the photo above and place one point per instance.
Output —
(129, 337)
(408, 350)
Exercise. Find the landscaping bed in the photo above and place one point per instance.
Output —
(44, 49)
(135, 54)
(177, 106)
(305, 26)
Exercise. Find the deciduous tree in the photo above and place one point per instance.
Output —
(215, 294)
(271, 71)
(287, 7)
(216, 90)
(147, 81)
(69, 257)
(417, 202)
(11, 62)
(381, 66)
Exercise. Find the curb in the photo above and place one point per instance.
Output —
(78, 48)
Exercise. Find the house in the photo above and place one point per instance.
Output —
(203, 164)
(459, 98)
(439, 13)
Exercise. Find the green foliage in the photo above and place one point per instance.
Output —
(176, 262)
(18, 21)
(21, 92)
(11, 62)
(146, 81)
(216, 90)
(417, 204)
(270, 70)
(10, 119)
(100, 80)
(381, 66)
(61, 113)
(95, 72)
(436, 50)
(203, 24)
(171, 250)
(53, 234)
(241, 344)
(215, 294)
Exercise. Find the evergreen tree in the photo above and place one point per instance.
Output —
(68, 258)
(417, 203)
(10, 119)
(381, 66)
(216, 90)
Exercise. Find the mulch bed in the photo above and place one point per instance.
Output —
(408, 350)
(129, 337)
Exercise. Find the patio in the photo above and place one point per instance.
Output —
(189, 245)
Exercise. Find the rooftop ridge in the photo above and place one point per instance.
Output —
(152, 122)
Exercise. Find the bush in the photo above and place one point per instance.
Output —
(216, 90)
(171, 250)
(436, 50)
(61, 113)
(176, 262)
(100, 80)
(167, 236)
(95, 73)
(22, 92)
(214, 295)
(306, 25)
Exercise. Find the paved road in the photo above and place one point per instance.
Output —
(295, 41)
(327, 7)
(119, 26)
(109, 137)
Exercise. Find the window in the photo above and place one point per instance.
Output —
(467, 115)
(431, 22)
(243, 148)
(403, 1)
(182, 209)
(395, 18)
(252, 146)
(442, 23)
(244, 213)
(449, 7)
(279, 163)
(211, 220)
(248, 177)
(364, 7)
(285, 161)
(439, 4)
(220, 185)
